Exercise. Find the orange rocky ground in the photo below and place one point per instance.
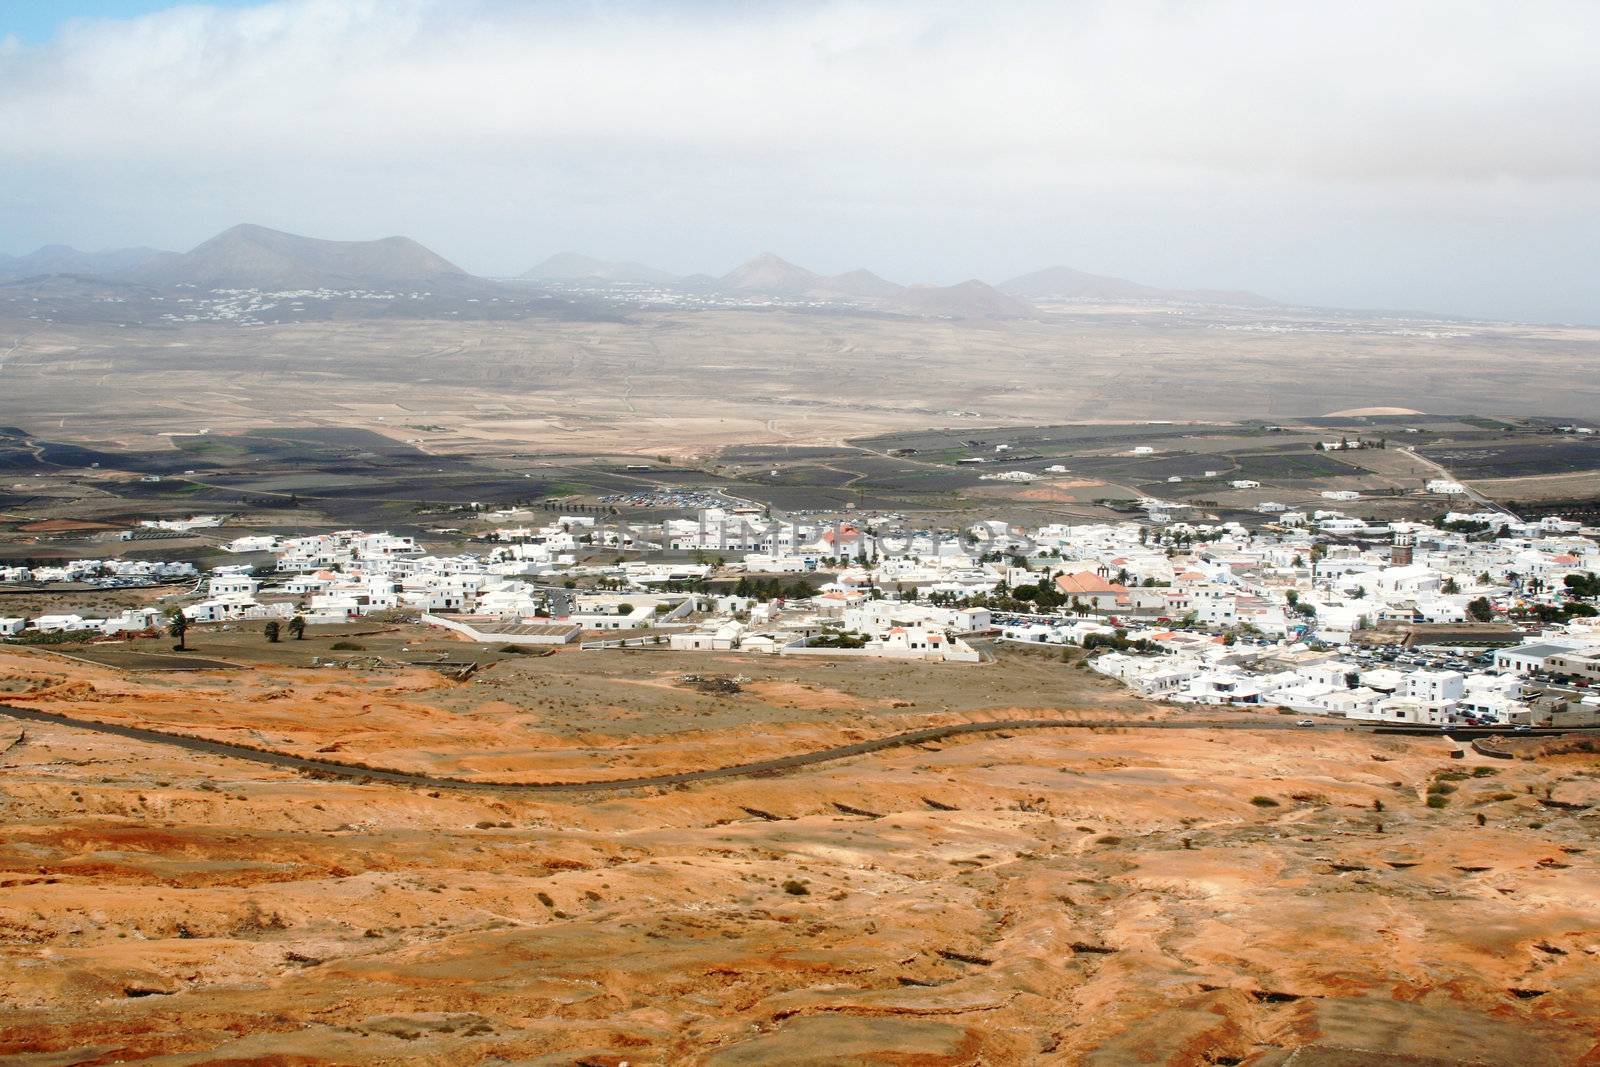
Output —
(1108, 897)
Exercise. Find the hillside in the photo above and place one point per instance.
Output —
(861, 283)
(769, 274)
(1065, 283)
(967, 300)
(254, 257)
(574, 267)
(62, 259)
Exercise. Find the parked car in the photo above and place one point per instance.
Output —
(1306, 722)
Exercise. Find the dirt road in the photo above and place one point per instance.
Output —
(761, 767)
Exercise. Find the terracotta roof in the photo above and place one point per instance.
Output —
(1087, 583)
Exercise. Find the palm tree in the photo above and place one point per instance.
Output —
(297, 627)
(271, 630)
(178, 626)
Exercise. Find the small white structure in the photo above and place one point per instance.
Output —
(1436, 687)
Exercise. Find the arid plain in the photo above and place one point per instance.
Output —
(684, 383)
(1113, 895)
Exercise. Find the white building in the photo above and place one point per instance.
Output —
(1436, 687)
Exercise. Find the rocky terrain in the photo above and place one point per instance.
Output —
(1261, 896)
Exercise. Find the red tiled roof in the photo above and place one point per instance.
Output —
(1087, 583)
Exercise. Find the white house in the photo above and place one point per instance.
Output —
(53, 624)
(231, 585)
(1436, 687)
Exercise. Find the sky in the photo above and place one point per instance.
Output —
(1436, 155)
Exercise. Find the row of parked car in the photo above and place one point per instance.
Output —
(1431, 661)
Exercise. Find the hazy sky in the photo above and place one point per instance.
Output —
(1428, 155)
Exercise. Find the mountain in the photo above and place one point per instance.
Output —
(254, 257)
(861, 283)
(572, 267)
(966, 300)
(60, 259)
(1064, 283)
(769, 274)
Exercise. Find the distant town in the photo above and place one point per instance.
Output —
(1478, 619)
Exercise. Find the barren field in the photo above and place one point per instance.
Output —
(1109, 896)
(640, 384)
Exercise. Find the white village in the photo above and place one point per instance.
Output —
(1476, 619)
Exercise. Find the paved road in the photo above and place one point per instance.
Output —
(1443, 472)
(759, 767)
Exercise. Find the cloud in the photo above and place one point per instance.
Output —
(1461, 110)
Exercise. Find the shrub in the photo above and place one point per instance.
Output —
(1485, 772)
(1437, 800)
(1441, 789)
(795, 888)
(347, 646)
(1264, 802)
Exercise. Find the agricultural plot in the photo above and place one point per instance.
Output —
(958, 442)
(1158, 467)
(1294, 467)
(1515, 459)
(758, 454)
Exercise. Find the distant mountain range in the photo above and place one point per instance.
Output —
(769, 274)
(60, 259)
(772, 275)
(255, 257)
(863, 283)
(572, 267)
(1064, 283)
(966, 300)
(251, 257)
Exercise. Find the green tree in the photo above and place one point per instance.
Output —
(297, 627)
(271, 630)
(1583, 585)
(178, 626)
(1480, 610)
